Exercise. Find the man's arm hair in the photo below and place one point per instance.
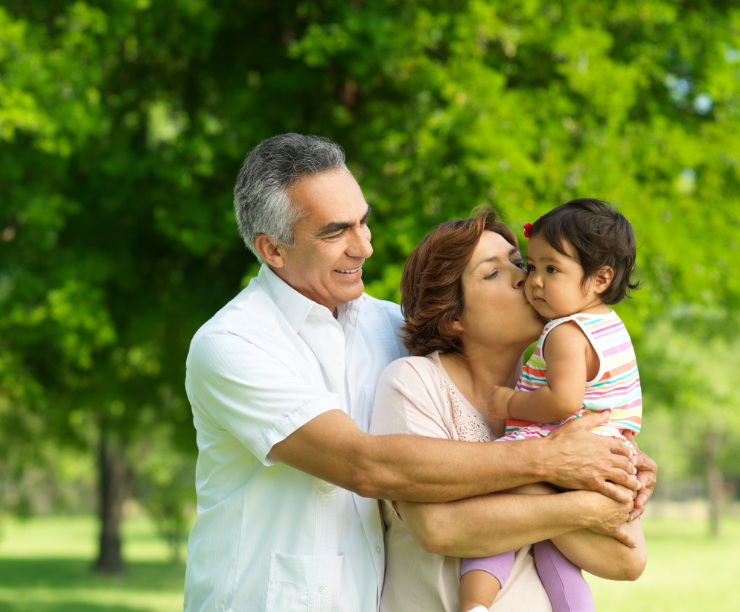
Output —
(420, 469)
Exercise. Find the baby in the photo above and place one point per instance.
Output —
(580, 258)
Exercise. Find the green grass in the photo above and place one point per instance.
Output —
(686, 570)
(45, 566)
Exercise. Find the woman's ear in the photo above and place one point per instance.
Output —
(602, 280)
(455, 325)
(270, 250)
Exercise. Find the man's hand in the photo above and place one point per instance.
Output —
(577, 459)
(647, 474)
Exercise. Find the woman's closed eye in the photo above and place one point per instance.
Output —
(493, 274)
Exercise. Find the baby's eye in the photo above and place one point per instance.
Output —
(551, 269)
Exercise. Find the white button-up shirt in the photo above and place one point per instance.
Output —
(270, 537)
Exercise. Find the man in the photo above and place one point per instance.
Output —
(282, 382)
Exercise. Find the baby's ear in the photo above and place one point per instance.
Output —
(602, 279)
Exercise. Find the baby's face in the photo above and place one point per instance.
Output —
(553, 285)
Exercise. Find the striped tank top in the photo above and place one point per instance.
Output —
(615, 389)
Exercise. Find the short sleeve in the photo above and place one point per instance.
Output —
(250, 393)
(407, 401)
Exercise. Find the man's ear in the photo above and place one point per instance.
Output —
(602, 280)
(271, 251)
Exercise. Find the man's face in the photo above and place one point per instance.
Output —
(332, 240)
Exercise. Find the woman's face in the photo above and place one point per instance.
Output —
(496, 312)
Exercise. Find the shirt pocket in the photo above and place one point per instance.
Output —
(306, 583)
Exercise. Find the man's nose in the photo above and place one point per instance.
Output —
(361, 246)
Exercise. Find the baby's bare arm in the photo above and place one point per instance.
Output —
(569, 355)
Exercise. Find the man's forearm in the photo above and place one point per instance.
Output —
(420, 469)
(405, 467)
(417, 468)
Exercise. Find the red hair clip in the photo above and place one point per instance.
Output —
(527, 227)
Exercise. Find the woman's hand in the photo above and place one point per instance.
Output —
(647, 474)
(607, 517)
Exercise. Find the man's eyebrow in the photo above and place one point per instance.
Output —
(337, 226)
(513, 251)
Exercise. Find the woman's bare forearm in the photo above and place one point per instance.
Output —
(492, 524)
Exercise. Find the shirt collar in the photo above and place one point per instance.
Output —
(294, 306)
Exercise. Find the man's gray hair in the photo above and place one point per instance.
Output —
(261, 192)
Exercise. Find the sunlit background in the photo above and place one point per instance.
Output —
(122, 126)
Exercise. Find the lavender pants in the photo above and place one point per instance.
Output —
(563, 581)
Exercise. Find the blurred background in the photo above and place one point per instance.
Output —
(123, 124)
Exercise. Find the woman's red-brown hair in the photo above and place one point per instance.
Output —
(431, 285)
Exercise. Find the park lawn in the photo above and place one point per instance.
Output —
(686, 570)
(45, 566)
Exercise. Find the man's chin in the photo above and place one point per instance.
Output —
(349, 294)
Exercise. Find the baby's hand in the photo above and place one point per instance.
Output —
(498, 403)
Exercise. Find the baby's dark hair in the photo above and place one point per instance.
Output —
(600, 236)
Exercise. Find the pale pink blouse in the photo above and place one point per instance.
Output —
(416, 396)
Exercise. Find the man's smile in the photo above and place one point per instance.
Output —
(350, 271)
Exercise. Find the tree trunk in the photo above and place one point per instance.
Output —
(714, 480)
(113, 489)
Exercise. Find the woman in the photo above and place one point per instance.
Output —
(467, 325)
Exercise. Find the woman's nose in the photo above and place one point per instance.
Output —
(520, 278)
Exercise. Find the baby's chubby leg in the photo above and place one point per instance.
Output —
(597, 554)
(563, 581)
(482, 579)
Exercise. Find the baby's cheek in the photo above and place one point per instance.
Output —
(528, 288)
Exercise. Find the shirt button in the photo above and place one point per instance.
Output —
(378, 549)
(321, 588)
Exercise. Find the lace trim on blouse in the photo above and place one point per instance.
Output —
(470, 424)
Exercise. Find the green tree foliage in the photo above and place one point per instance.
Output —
(694, 382)
(123, 124)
